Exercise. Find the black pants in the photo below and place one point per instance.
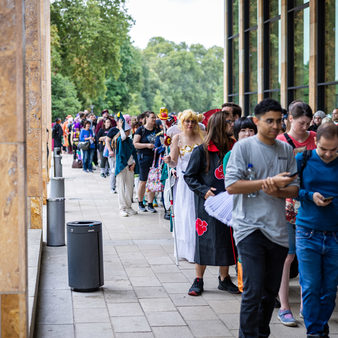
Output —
(262, 262)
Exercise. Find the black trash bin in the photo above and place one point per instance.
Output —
(85, 255)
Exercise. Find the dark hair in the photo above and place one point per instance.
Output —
(217, 133)
(243, 123)
(104, 111)
(300, 109)
(141, 117)
(82, 114)
(236, 109)
(328, 130)
(86, 122)
(148, 113)
(57, 119)
(267, 105)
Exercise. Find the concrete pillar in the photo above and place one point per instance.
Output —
(33, 104)
(13, 220)
(313, 55)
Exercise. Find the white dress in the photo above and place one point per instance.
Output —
(184, 209)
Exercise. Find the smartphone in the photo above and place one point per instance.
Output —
(291, 175)
(327, 199)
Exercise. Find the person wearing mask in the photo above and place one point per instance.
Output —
(144, 142)
(259, 175)
(204, 176)
(317, 230)
(180, 152)
(86, 134)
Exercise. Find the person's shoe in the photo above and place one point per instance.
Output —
(107, 174)
(91, 171)
(123, 213)
(277, 303)
(167, 216)
(114, 191)
(131, 211)
(151, 209)
(196, 288)
(103, 175)
(286, 318)
(227, 285)
(142, 208)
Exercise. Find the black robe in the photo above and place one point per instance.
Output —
(214, 241)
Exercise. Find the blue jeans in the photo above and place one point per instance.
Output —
(317, 253)
(88, 159)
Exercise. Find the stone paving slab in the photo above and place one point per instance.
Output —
(144, 293)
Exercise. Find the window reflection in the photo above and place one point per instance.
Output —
(235, 65)
(331, 98)
(253, 61)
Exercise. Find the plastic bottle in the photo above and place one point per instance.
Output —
(251, 175)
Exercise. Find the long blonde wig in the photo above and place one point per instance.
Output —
(189, 114)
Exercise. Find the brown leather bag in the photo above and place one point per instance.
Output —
(77, 164)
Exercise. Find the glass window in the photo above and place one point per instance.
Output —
(252, 103)
(274, 54)
(331, 98)
(301, 47)
(252, 13)
(234, 98)
(235, 18)
(253, 61)
(235, 65)
(302, 94)
(274, 9)
(297, 3)
(331, 40)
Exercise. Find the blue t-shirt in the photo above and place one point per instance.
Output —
(321, 177)
(86, 133)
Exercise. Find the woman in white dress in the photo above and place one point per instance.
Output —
(184, 207)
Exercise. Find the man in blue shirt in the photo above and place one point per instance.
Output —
(317, 231)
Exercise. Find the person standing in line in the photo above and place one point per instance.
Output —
(204, 176)
(317, 230)
(101, 141)
(144, 142)
(57, 133)
(86, 134)
(335, 116)
(258, 175)
(111, 138)
(180, 152)
(126, 167)
(300, 139)
(317, 120)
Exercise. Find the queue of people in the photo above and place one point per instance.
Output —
(278, 173)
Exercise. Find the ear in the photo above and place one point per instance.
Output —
(255, 120)
(290, 118)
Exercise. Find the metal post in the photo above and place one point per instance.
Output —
(55, 221)
(57, 187)
(57, 166)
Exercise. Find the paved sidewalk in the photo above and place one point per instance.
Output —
(145, 293)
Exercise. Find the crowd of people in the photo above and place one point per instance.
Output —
(271, 180)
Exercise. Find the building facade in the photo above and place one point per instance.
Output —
(283, 49)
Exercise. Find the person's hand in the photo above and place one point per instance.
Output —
(150, 146)
(318, 199)
(111, 153)
(281, 180)
(209, 193)
(102, 138)
(132, 167)
(167, 159)
(174, 172)
(269, 187)
(119, 124)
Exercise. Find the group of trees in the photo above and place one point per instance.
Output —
(94, 63)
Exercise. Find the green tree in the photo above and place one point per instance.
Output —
(64, 97)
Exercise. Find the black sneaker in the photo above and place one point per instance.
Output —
(167, 216)
(196, 288)
(151, 208)
(142, 208)
(103, 175)
(227, 285)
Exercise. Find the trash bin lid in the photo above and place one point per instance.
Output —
(84, 226)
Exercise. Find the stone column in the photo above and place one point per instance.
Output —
(313, 55)
(33, 104)
(13, 238)
(284, 68)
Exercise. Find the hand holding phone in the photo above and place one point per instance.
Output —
(292, 175)
(327, 199)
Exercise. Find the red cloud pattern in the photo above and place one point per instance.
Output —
(201, 226)
(219, 174)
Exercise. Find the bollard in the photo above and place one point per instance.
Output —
(57, 151)
(57, 166)
(57, 187)
(55, 221)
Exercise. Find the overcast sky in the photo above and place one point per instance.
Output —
(190, 21)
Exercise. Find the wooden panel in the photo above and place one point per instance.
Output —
(226, 52)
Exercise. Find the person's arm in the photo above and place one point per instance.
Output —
(172, 158)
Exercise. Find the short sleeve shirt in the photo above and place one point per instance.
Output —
(147, 136)
(263, 212)
(112, 132)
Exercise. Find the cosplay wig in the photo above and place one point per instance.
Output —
(189, 114)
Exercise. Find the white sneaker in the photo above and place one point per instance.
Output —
(123, 213)
(131, 211)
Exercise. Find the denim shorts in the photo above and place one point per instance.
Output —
(292, 238)
(145, 162)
